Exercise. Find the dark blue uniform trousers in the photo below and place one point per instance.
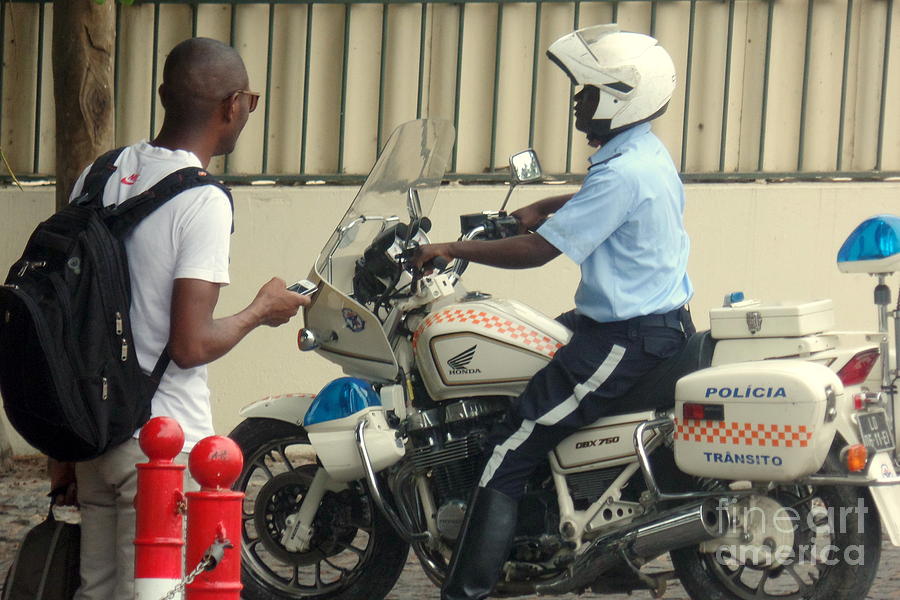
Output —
(581, 383)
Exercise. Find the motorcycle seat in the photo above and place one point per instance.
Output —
(657, 389)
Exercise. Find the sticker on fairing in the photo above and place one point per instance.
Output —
(353, 321)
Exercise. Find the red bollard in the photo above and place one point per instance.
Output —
(214, 515)
(159, 504)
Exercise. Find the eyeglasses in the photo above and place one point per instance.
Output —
(254, 97)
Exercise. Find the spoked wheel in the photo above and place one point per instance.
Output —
(825, 545)
(354, 552)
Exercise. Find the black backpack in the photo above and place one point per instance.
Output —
(69, 374)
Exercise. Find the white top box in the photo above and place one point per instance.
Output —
(751, 318)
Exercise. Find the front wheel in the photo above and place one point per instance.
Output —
(825, 545)
(354, 552)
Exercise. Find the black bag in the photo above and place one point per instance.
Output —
(69, 375)
(46, 566)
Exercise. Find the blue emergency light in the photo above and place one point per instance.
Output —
(873, 247)
(341, 398)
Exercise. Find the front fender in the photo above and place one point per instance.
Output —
(290, 408)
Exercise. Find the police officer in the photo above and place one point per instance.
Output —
(625, 228)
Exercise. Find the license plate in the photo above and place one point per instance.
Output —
(874, 429)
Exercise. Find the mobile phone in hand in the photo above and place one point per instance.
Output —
(304, 287)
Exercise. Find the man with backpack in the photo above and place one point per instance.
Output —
(178, 259)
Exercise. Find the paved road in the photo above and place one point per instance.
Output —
(23, 504)
(413, 585)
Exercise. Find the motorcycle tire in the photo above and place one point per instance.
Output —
(841, 569)
(354, 553)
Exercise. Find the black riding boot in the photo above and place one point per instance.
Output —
(483, 546)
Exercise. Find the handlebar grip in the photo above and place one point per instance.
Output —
(440, 263)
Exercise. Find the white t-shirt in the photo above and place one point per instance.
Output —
(187, 237)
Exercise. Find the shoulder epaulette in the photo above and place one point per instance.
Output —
(603, 162)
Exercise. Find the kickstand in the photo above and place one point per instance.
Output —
(655, 583)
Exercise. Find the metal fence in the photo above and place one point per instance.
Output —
(768, 89)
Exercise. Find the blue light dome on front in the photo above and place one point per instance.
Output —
(341, 398)
(872, 247)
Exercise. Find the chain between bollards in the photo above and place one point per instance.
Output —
(161, 504)
(210, 561)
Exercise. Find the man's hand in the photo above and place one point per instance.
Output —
(196, 338)
(62, 482)
(278, 305)
(528, 217)
(428, 252)
(531, 216)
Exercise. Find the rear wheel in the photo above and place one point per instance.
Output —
(826, 546)
(354, 552)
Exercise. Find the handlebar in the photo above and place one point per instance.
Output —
(460, 265)
(493, 227)
(378, 271)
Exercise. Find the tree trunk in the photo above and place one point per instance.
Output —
(83, 47)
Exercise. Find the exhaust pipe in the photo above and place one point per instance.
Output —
(685, 527)
(671, 530)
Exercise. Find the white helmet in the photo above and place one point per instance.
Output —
(635, 75)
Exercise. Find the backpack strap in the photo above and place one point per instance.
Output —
(161, 366)
(97, 176)
(124, 218)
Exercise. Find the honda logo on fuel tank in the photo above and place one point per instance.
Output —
(458, 364)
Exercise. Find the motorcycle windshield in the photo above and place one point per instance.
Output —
(400, 188)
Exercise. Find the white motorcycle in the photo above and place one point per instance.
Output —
(761, 458)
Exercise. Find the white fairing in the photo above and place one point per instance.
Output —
(484, 347)
(290, 408)
(774, 423)
(335, 444)
(349, 334)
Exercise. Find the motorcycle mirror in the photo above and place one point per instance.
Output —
(524, 166)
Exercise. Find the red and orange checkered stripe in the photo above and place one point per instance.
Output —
(743, 434)
(516, 332)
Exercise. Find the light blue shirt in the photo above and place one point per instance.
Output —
(625, 228)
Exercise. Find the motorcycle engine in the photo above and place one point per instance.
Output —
(447, 446)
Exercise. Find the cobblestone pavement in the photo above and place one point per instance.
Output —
(23, 504)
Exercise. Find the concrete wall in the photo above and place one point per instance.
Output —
(773, 241)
